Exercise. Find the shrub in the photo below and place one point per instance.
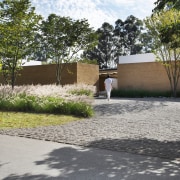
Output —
(139, 93)
(81, 109)
(80, 92)
(88, 61)
(25, 103)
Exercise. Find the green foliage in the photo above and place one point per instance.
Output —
(129, 33)
(170, 29)
(162, 4)
(79, 109)
(80, 92)
(105, 51)
(18, 24)
(88, 61)
(126, 38)
(27, 103)
(139, 93)
(164, 28)
(31, 120)
(63, 38)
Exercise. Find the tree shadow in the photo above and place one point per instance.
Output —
(29, 177)
(121, 158)
(120, 107)
(76, 163)
(148, 147)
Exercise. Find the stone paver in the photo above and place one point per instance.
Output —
(144, 126)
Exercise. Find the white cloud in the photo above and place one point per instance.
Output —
(96, 11)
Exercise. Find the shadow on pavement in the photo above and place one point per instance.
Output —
(92, 164)
(168, 150)
(29, 177)
(106, 108)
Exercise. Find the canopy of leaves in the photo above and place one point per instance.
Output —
(63, 39)
(129, 32)
(167, 25)
(163, 27)
(162, 4)
(126, 38)
(18, 24)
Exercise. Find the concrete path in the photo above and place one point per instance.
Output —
(28, 159)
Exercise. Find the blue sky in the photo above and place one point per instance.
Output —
(96, 11)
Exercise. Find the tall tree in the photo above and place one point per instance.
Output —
(125, 39)
(18, 25)
(119, 34)
(167, 51)
(167, 32)
(146, 41)
(104, 52)
(162, 4)
(64, 38)
(129, 32)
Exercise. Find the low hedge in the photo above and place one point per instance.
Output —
(139, 93)
(48, 104)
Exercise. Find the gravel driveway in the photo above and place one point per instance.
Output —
(147, 126)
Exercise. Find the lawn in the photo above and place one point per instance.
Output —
(31, 106)
(30, 120)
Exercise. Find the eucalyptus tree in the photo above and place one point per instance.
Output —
(104, 52)
(64, 39)
(119, 33)
(106, 47)
(18, 26)
(146, 41)
(129, 32)
(126, 38)
(167, 44)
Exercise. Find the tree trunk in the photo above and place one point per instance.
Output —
(58, 76)
(13, 79)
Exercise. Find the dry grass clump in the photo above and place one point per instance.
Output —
(69, 100)
(65, 92)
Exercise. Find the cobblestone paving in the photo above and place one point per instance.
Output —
(144, 126)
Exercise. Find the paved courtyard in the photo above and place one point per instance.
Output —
(145, 126)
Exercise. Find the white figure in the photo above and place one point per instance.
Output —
(108, 86)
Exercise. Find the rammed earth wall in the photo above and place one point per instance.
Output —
(46, 74)
(149, 76)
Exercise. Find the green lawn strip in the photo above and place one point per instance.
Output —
(30, 120)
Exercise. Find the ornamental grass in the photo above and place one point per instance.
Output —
(68, 100)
